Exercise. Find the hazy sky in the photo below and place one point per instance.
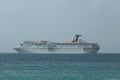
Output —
(59, 20)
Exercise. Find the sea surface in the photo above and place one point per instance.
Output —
(15, 66)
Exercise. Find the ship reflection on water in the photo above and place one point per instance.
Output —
(60, 57)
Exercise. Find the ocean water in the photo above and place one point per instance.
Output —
(59, 67)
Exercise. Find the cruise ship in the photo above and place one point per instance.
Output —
(76, 46)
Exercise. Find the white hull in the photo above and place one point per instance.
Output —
(48, 47)
(55, 51)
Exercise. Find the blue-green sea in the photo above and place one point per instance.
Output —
(15, 66)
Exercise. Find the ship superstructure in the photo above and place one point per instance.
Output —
(76, 46)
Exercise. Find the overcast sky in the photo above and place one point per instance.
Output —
(59, 20)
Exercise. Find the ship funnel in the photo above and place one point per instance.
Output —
(75, 39)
